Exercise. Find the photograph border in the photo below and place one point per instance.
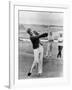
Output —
(12, 62)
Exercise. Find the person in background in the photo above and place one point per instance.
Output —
(49, 45)
(60, 46)
(37, 49)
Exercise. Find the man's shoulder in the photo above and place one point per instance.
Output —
(33, 37)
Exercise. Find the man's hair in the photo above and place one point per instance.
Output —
(28, 30)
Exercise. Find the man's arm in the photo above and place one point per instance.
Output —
(43, 35)
(40, 36)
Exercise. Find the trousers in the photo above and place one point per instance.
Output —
(49, 48)
(38, 59)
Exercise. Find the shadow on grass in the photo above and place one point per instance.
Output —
(7, 86)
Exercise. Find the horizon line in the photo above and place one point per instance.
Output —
(44, 25)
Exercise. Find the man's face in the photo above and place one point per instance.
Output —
(60, 35)
(51, 33)
(29, 32)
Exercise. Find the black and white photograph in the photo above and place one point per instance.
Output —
(40, 44)
(36, 43)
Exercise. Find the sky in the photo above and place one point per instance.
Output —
(46, 18)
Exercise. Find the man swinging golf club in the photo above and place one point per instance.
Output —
(37, 48)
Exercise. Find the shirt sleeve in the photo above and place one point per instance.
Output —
(43, 35)
(39, 36)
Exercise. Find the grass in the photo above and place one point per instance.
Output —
(52, 67)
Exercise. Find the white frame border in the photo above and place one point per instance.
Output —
(13, 80)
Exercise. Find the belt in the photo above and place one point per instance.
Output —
(50, 40)
(60, 41)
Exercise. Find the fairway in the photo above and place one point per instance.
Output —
(52, 67)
